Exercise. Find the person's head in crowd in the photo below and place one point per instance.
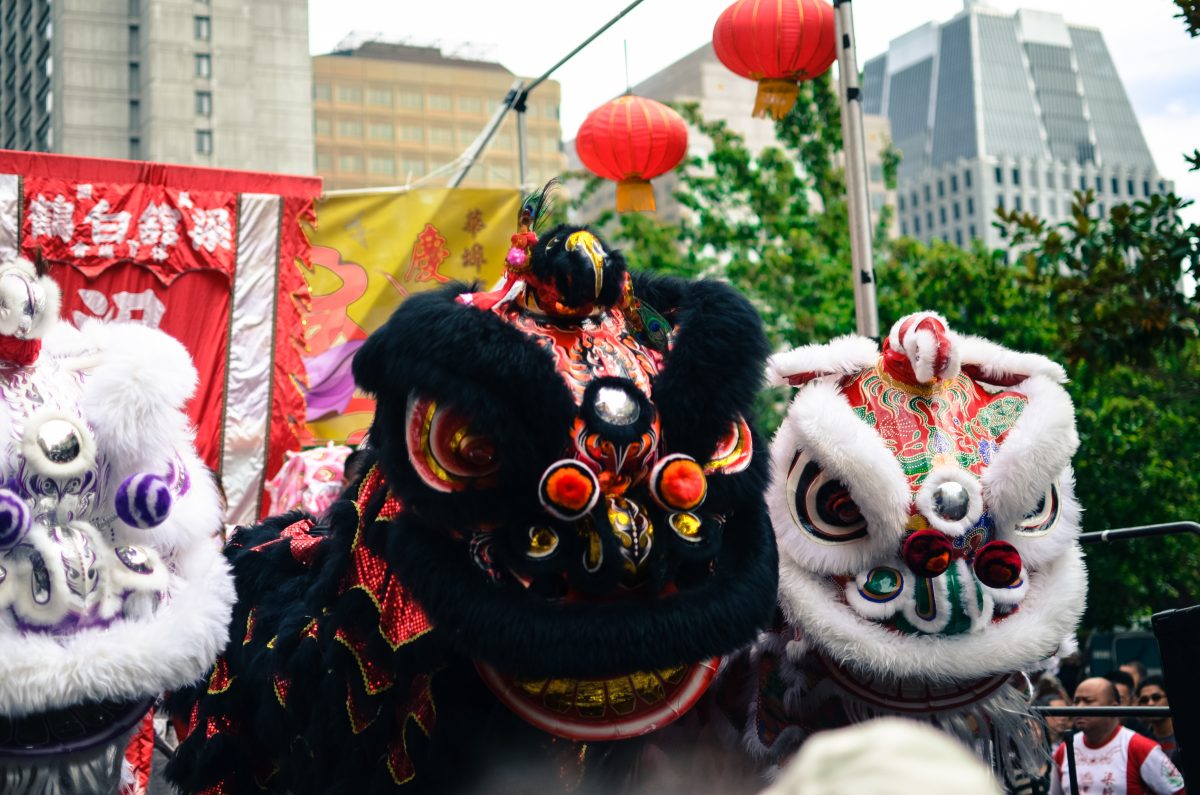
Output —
(1152, 692)
(1096, 692)
(1049, 686)
(884, 755)
(1137, 670)
(1055, 725)
(1124, 684)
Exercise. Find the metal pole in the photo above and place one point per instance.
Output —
(1144, 531)
(522, 143)
(1069, 741)
(858, 198)
(515, 95)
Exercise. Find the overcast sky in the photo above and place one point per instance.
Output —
(1158, 63)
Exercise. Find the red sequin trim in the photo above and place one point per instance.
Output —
(282, 684)
(420, 707)
(249, 626)
(220, 680)
(376, 677)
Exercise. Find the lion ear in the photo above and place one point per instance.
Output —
(841, 356)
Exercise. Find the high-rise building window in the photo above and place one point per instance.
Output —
(957, 211)
(411, 99)
(322, 126)
(1129, 187)
(135, 79)
(441, 136)
(350, 163)
(322, 92)
(135, 148)
(1162, 186)
(901, 201)
(442, 102)
(916, 225)
(999, 175)
(412, 133)
(324, 161)
(941, 189)
(1146, 188)
(1049, 179)
(204, 142)
(967, 179)
(203, 103)
(381, 131)
(1052, 207)
(942, 215)
(958, 237)
(929, 220)
(1016, 172)
(351, 95)
(1099, 184)
(385, 166)
(1017, 203)
(914, 200)
(904, 227)
(412, 167)
(202, 27)
(954, 183)
(1101, 208)
(1033, 177)
(470, 104)
(135, 116)
(349, 128)
(1000, 202)
(1034, 205)
(928, 196)
(970, 205)
(203, 65)
(1116, 186)
(971, 231)
(1082, 182)
(380, 97)
(135, 43)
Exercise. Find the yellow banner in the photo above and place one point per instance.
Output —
(369, 253)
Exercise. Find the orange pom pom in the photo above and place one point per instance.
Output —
(569, 489)
(678, 483)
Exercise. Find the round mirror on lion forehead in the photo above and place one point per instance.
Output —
(952, 455)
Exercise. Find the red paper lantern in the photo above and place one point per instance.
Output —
(778, 43)
(632, 140)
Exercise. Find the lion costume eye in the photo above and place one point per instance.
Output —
(822, 506)
(1042, 519)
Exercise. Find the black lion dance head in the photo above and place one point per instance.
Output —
(558, 533)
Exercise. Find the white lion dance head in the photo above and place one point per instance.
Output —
(923, 503)
(111, 587)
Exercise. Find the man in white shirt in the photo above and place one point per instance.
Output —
(1109, 758)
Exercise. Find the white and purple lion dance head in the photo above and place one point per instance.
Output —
(111, 587)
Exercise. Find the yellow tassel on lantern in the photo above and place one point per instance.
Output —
(635, 196)
(775, 97)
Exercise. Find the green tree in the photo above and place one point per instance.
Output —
(1101, 295)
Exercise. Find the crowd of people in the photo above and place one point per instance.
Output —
(1112, 756)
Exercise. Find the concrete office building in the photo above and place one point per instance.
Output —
(201, 82)
(394, 114)
(1013, 111)
(701, 78)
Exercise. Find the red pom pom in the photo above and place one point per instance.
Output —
(998, 564)
(927, 553)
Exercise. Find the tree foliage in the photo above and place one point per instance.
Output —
(1105, 296)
